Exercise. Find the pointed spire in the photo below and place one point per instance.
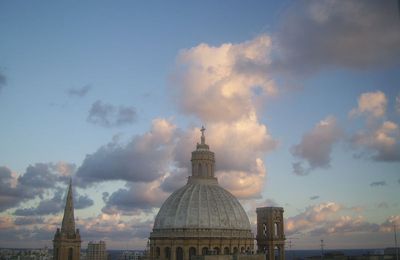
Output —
(68, 222)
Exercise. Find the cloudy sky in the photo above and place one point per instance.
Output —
(301, 101)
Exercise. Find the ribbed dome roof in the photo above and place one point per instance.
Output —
(202, 204)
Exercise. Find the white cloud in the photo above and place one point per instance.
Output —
(311, 217)
(218, 84)
(388, 225)
(237, 166)
(244, 185)
(327, 219)
(222, 87)
(371, 104)
(380, 140)
(316, 146)
(381, 143)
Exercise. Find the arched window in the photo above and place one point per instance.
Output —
(235, 250)
(204, 251)
(242, 250)
(167, 253)
(276, 253)
(276, 229)
(200, 170)
(226, 251)
(158, 252)
(265, 232)
(192, 252)
(216, 250)
(179, 253)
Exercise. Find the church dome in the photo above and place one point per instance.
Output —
(201, 217)
(202, 204)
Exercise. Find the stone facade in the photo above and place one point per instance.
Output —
(201, 218)
(67, 241)
(229, 257)
(270, 233)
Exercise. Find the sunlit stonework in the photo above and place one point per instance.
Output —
(67, 241)
(201, 217)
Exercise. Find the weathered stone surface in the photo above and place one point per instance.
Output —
(201, 218)
(202, 205)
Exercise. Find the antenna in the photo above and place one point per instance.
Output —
(290, 245)
(395, 242)
(322, 249)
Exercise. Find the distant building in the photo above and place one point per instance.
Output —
(96, 251)
(131, 255)
(392, 251)
(67, 241)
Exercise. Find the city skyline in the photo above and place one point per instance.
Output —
(300, 101)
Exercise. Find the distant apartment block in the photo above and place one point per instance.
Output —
(96, 251)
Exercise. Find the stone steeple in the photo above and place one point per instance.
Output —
(67, 241)
(203, 160)
(68, 222)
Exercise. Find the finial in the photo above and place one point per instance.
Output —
(203, 138)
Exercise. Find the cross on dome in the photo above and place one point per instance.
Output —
(203, 138)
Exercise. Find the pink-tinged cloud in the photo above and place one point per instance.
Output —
(6, 222)
(244, 185)
(390, 223)
(371, 104)
(236, 166)
(380, 139)
(219, 84)
(311, 217)
(380, 143)
(316, 146)
(223, 86)
(328, 219)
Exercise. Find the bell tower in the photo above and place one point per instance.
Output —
(270, 233)
(67, 241)
(203, 160)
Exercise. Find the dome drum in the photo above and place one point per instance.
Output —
(202, 233)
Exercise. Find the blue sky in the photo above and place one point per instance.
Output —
(301, 101)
